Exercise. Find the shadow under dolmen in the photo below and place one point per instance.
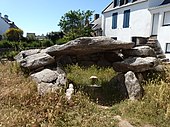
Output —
(108, 93)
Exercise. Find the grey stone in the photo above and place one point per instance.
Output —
(141, 51)
(113, 57)
(140, 77)
(65, 60)
(124, 123)
(49, 80)
(117, 83)
(134, 89)
(26, 53)
(61, 80)
(136, 64)
(86, 63)
(36, 60)
(103, 62)
(88, 45)
(45, 75)
(44, 88)
(159, 68)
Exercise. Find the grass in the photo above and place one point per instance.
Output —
(153, 109)
(81, 75)
(20, 106)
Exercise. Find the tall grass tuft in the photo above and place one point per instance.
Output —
(81, 75)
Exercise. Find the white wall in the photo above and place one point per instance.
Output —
(163, 31)
(3, 26)
(140, 20)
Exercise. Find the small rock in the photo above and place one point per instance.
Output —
(124, 123)
(61, 79)
(44, 88)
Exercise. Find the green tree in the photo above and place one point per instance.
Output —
(76, 24)
(14, 34)
(53, 36)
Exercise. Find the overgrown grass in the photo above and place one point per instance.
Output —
(81, 75)
(21, 106)
(154, 108)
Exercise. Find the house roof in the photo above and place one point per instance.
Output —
(97, 24)
(107, 7)
(111, 8)
(165, 2)
(9, 22)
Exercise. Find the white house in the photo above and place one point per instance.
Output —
(96, 25)
(127, 20)
(5, 24)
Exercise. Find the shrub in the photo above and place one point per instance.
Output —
(34, 44)
(46, 43)
(14, 34)
(0, 37)
(6, 44)
(61, 41)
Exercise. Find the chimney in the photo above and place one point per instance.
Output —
(96, 16)
(6, 16)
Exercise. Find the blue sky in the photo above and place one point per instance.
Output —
(42, 16)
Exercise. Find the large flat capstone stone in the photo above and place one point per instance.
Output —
(88, 45)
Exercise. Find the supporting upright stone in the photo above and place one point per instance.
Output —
(135, 90)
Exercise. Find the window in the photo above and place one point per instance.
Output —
(126, 19)
(127, 1)
(121, 2)
(114, 20)
(167, 50)
(166, 20)
(116, 3)
(114, 38)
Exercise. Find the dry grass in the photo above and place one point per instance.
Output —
(21, 106)
(154, 108)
